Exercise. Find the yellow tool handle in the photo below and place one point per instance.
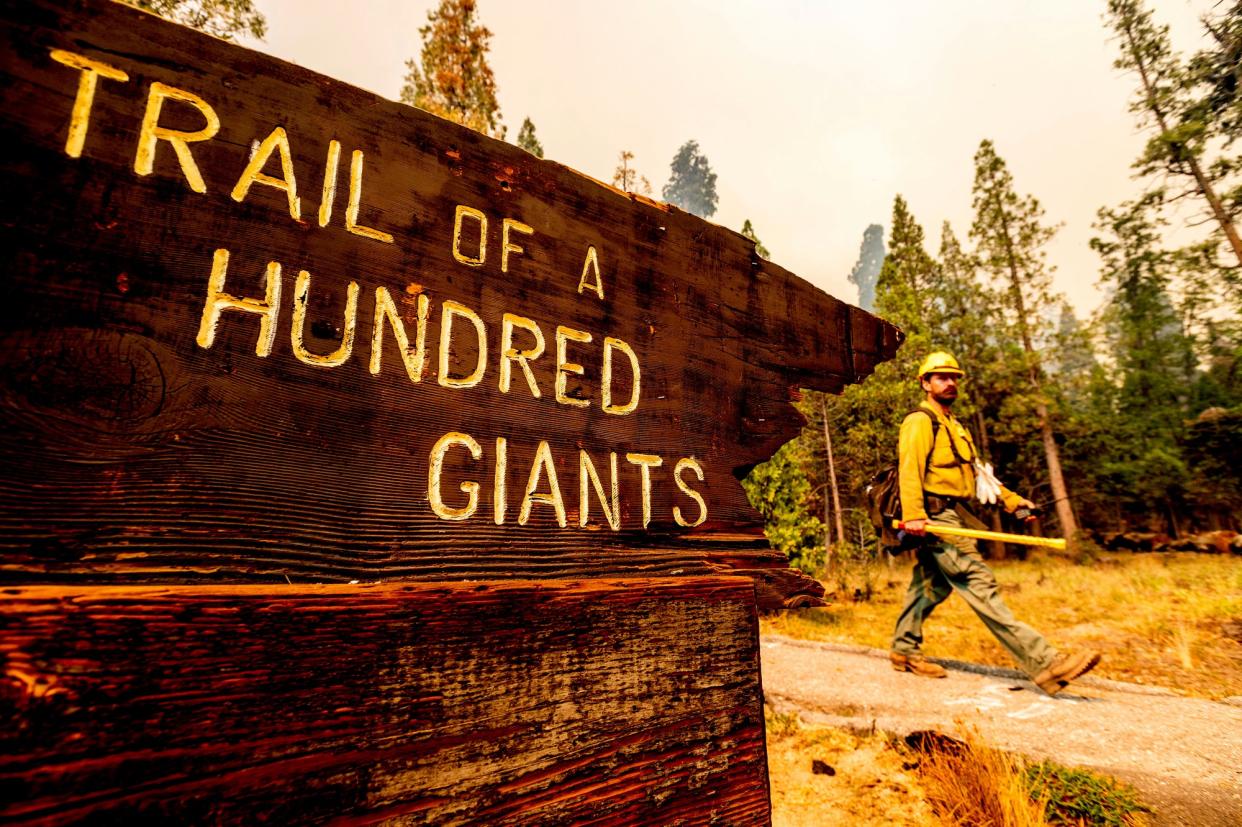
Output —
(1018, 539)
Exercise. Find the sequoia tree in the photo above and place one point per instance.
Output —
(526, 139)
(691, 182)
(451, 78)
(867, 268)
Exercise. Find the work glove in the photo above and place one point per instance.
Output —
(987, 486)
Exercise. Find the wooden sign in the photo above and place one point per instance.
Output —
(260, 327)
(306, 704)
(260, 324)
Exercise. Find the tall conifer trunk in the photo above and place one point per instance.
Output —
(1052, 454)
(1184, 155)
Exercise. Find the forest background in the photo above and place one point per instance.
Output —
(1130, 419)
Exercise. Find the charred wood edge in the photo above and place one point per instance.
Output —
(776, 584)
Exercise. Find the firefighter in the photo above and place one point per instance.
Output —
(938, 478)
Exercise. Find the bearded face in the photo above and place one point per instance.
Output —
(942, 387)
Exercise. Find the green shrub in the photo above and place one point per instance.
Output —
(1081, 797)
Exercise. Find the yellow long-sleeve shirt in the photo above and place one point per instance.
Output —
(940, 473)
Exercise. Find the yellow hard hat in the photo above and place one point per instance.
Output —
(940, 362)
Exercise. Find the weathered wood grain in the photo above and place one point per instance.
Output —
(130, 451)
(618, 702)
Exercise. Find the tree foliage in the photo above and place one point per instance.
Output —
(526, 139)
(1182, 107)
(225, 19)
(1140, 405)
(1147, 398)
(1217, 72)
(1010, 237)
(452, 78)
(691, 183)
(780, 490)
(626, 178)
(748, 230)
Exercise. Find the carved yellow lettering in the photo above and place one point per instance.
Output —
(448, 311)
(435, 473)
(355, 201)
(543, 465)
(589, 267)
(611, 344)
(645, 463)
(328, 196)
(386, 310)
(507, 246)
(462, 213)
(509, 354)
(253, 173)
(499, 504)
(267, 309)
(692, 464)
(586, 474)
(91, 72)
(564, 335)
(152, 133)
(301, 293)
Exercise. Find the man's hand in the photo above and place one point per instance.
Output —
(916, 527)
(1026, 511)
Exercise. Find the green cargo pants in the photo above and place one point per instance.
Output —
(946, 564)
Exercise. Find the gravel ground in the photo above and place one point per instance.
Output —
(1184, 755)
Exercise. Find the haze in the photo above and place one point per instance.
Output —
(813, 115)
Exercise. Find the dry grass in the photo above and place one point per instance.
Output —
(1172, 620)
(980, 786)
(870, 786)
(877, 781)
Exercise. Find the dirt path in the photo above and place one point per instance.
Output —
(1183, 754)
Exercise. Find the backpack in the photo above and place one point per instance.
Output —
(883, 494)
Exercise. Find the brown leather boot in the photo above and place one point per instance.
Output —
(1064, 669)
(917, 664)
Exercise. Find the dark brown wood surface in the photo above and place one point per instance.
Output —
(612, 702)
(132, 452)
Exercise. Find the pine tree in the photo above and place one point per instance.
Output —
(691, 183)
(526, 139)
(1010, 237)
(1153, 362)
(748, 230)
(451, 78)
(1181, 126)
(626, 178)
(1217, 72)
(225, 19)
(908, 274)
(867, 268)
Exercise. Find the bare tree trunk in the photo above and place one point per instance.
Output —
(832, 471)
(1065, 514)
(996, 548)
(1065, 511)
(1175, 529)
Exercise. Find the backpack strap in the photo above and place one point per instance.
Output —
(935, 425)
(935, 421)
